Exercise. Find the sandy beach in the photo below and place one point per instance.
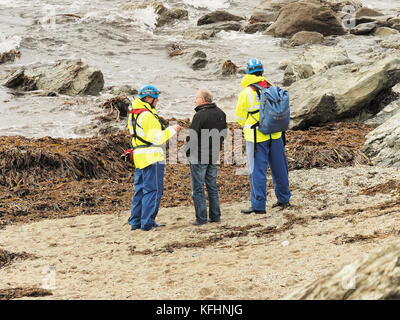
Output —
(337, 215)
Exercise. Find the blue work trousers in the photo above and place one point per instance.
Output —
(270, 153)
(147, 197)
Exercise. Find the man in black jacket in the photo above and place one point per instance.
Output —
(204, 143)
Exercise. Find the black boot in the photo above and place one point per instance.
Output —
(282, 205)
(250, 210)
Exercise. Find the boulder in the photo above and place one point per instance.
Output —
(385, 32)
(306, 38)
(394, 23)
(10, 55)
(382, 145)
(169, 15)
(304, 16)
(218, 16)
(70, 77)
(337, 5)
(314, 60)
(367, 12)
(263, 16)
(386, 113)
(208, 31)
(195, 59)
(364, 29)
(340, 92)
(257, 27)
(373, 277)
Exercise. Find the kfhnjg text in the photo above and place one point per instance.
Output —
(203, 309)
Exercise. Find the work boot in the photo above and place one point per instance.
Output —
(250, 210)
(197, 223)
(282, 205)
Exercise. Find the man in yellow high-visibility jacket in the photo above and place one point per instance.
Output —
(148, 136)
(267, 150)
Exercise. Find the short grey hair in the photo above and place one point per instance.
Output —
(206, 94)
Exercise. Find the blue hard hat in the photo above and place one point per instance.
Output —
(254, 65)
(149, 90)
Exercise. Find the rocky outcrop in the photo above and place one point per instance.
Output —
(208, 31)
(386, 113)
(304, 16)
(10, 55)
(314, 60)
(385, 32)
(306, 38)
(394, 23)
(218, 16)
(196, 60)
(262, 16)
(367, 12)
(373, 277)
(364, 29)
(382, 145)
(169, 15)
(70, 77)
(340, 92)
(257, 27)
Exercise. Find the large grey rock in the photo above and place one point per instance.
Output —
(262, 16)
(385, 114)
(218, 16)
(314, 60)
(340, 92)
(385, 32)
(373, 277)
(70, 77)
(169, 15)
(367, 12)
(306, 37)
(257, 27)
(364, 29)
(394, 23)
(208, 31)
(382, 145)
(304, 16)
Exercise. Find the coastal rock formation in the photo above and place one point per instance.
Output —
(306, 37)
(385, 32)
(314, 60)
(373, 277)
(257, 27)
(218, 16)
(304, 16)
(340, 92)
(207, 31)
(367, 12)
(364, 28)
(70, 77)
(169, 15)
(383, 143)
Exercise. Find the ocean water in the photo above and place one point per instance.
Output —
(121, 39)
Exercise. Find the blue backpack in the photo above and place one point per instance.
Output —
(274, 109)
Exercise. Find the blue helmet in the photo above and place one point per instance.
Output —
(254, 65)
(149, 90)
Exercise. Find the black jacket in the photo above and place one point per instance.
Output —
(208, 129)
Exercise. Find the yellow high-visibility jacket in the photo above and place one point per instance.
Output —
(249, 101)
(148, 127)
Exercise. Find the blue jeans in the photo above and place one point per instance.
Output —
(201, 174)
(148, 192)
(270, 153)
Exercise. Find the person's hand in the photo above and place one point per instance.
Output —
(178, 128)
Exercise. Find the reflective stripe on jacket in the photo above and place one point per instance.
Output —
(249, 101)
(149, 128)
